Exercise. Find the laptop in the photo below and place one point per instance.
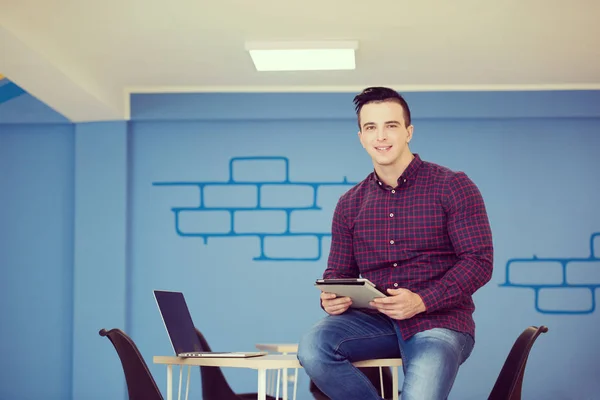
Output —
(181, 330)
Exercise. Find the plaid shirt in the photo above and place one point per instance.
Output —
(430, 235)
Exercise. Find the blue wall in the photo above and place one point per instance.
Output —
(218, 163)
(100, 257)
(36, 260)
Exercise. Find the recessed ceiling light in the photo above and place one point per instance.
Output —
(303, 56)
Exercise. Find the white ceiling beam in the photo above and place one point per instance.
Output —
(78, 98)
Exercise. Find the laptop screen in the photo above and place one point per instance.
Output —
(178, 321)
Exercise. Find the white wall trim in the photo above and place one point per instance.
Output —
(352, 88)
(129, 90)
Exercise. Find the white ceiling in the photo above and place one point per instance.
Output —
(84, 57)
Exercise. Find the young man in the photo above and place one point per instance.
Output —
(419, 231)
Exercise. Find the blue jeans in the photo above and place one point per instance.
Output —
(430, 359)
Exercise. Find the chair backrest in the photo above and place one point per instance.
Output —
(140, 383)
(510, 380)
(214, 384)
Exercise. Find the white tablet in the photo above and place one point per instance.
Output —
(360, 290)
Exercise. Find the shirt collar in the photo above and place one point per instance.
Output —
(407, 176)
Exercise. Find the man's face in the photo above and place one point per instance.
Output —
(383, 133)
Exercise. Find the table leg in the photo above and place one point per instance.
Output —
(270, 381)
(180, 379)
(169, 382)
(395, 383)
(381, 381)
(284, 392)
(262, 384)
(295, 383)
(187, 386)
(278, 383)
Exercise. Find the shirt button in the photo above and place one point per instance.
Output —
(405, 181)
(391, 214)
(379, 183)
(393, 191)
(395, 285)
(391, 242)
(395, 264)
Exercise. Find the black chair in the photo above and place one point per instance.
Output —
(510, 380)
(214, 384)
(140, 382)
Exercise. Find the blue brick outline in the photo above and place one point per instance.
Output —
(564, 284)
(288, 210)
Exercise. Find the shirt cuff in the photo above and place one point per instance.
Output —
(431, 299)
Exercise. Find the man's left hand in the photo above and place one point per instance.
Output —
(401, 304)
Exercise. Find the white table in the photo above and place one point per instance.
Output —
(261, 364)
(281, 348)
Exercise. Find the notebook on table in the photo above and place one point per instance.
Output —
(181, 329)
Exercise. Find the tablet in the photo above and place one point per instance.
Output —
(360, 290)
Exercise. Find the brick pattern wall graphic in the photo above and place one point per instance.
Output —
(561, 285)
(291, 219)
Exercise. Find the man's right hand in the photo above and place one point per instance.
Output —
(334, 305)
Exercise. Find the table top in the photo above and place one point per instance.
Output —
(271, 361)
(278, 347)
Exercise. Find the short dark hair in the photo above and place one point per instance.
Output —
(378, 94)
